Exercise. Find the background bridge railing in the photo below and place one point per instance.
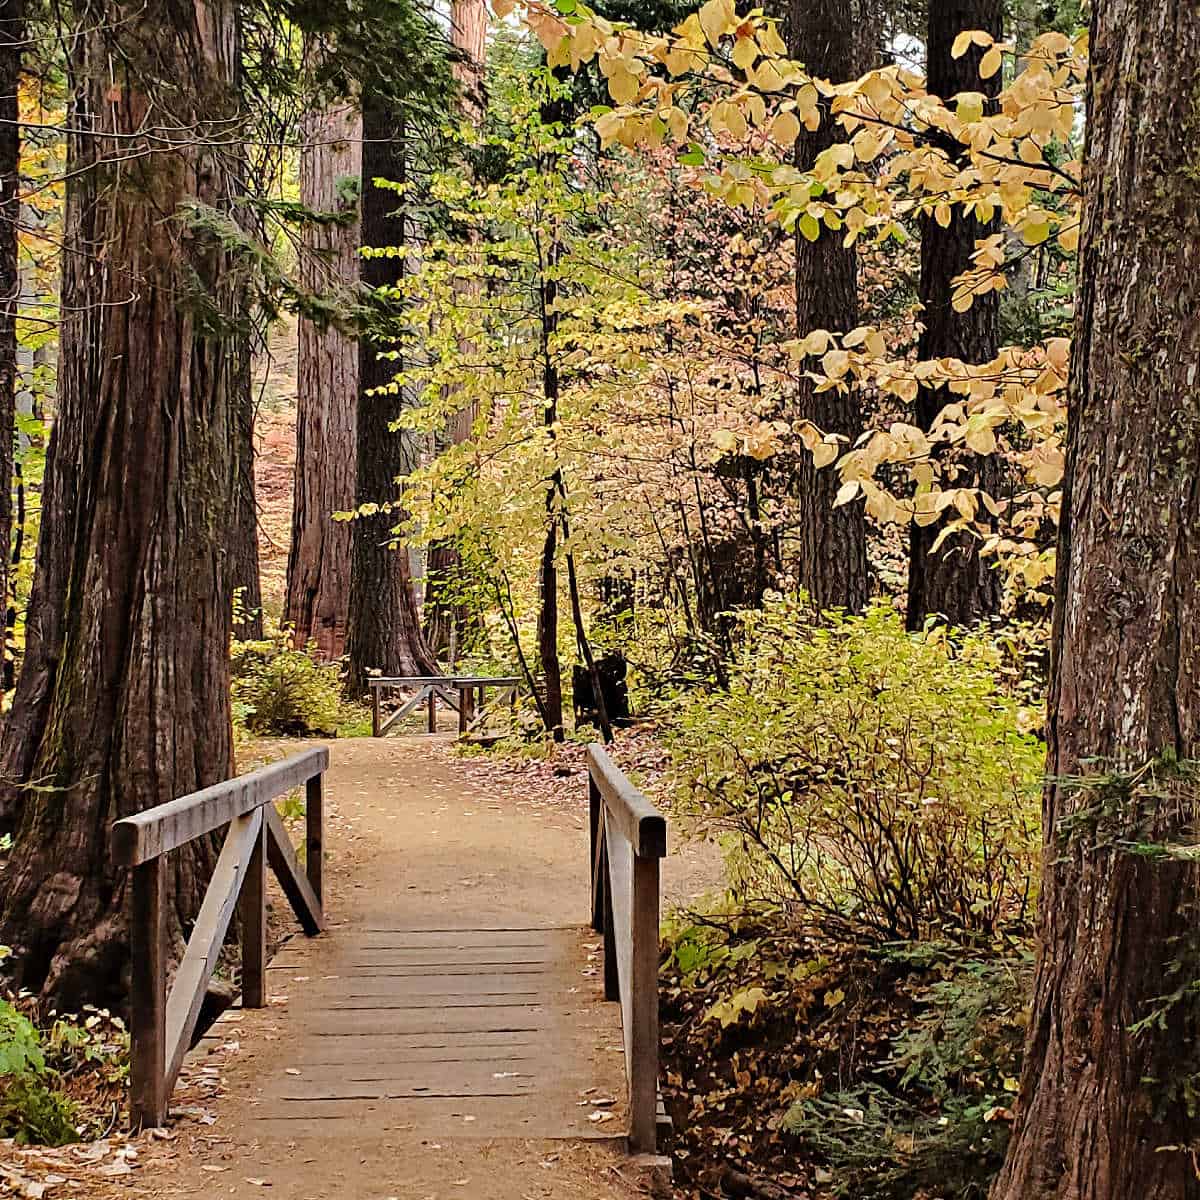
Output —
(163, 1024)
(466, 694)
(629, 838)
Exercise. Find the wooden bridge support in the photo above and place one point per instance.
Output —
(163, 1022)
(628, 841)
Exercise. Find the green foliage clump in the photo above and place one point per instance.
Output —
(30, 1110)
(941, 1124)
(34, 1114)
(879, 781)
(281, 691)
(20, 1044)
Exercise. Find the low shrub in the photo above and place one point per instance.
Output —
(284, 692)
(877, 780)
(34, 1114)
(833, 1068)
(941, 1125)
(38, 1068)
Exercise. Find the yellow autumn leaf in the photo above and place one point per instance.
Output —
(1035, 232)
(717, 19)
(969, 107)
(771, 42)
(816, 342)
(767, 77)
(967, 38)
(785, 129)
(825, 453)
(745, 51)
(866, 145)
(623, 85)
(981, 439)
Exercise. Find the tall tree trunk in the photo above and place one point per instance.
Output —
(446, 618)
(318, 582)
(245, 576)
(385, 631)
(551, 706)
(468, 35)
(1106, 1110)
(832, 556)
(954, 581)
(12, 36)
(123, 698)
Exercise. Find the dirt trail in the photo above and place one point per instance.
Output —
(414, 844)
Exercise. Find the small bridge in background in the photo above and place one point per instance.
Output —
(460, 1015)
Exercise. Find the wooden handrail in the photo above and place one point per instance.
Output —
(628, 839)
(163, 1023)
(470, 703)
(451, 680)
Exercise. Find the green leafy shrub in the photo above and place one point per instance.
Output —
(278, 690)
(35, 1114)
(880, 781)
(20, 1044)
(30, 1110)
(941, 1125)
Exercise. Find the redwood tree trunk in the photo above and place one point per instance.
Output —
(12, 34)
(385, 631)
(318, 583)
(468, 35)
(245, 575)
(832, 556)
(1104, 1110)
(447, 620)
(123, 699)
(954, 581)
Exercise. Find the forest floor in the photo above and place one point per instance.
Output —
(413, 825)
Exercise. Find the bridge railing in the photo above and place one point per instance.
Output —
(628, 840)
(470, 703)
(164, 1022)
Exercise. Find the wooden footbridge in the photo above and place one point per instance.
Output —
(425, 1005)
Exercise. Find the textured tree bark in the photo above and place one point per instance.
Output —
(1104, 1111)
(384, 631)
(547, 627)
(245, 577)
(318, 582)
(12, 35)
(123, 699)
(954, 581)
(468, 35)
(832, 553)
(547, 620)
(445, 619)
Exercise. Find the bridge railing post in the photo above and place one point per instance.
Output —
(253, 905)
(643, 1008)
(314, 835)
(596, 873)
(148, 996)
(628, 840)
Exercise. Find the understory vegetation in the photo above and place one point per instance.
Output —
(877, 780)
(61, 1079)
(828, 1068)
(847, 1018)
